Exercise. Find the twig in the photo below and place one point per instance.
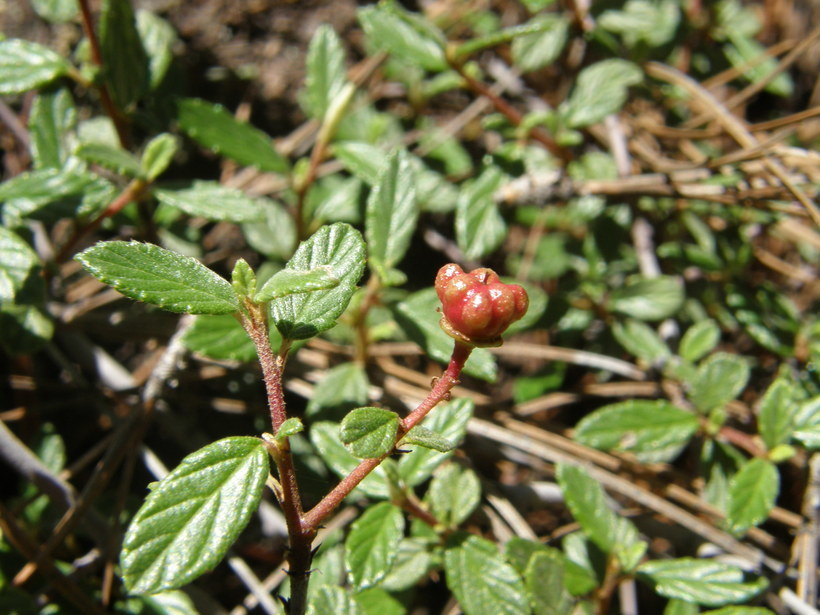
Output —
(252, 582)
(570, 355)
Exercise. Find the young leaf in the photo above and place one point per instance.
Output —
(53, 116)
(243, 279)
(699, 340)
(174, 602)
(373, 543)
(221, 337)
(719, 379)
(212, 126)
(158, 37)
(454, 494)
(213, 201)
(340, 248)
(544, 580)
(648, 298)
(641, 340)
(428, 439)
(290, 427)
(391, 215)
(601, 90)
(326, 75)
(25, 65)
(777, 411)
(114, 159)
(482, 581)
(698, 580)
(158, 155)
(752, 494)
(152, 274)
(191, 518)
(480, 229)
(655, 431)
(369, 432)
(538, 49)
(124, 57)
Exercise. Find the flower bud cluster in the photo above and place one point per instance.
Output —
(477, 307)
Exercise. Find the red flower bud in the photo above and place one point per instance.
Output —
(477, 307)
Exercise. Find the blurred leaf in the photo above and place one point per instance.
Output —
(112, 158)
(777, 411)
(702, 581)
(744, 50)
(214, 127)
(807, 423)
(642, 21)
(412, 563)
(55, 11)
(544, 580)
(17, 262)
(531, 52)
(274, 235)
(338, 247)
(213, 201)
(221, 338)
(343, 388)
(174, 602)
(679, 607)
(290, 282)
(601, 89)
(480, 229)
(124, 59)
(158, 38)
(479, 577)
(369, 432)
(332, 599)
(648, 298)
(365, 161)
(53, 116)
(454, 494)
(422, 436)
(377, 601)
(719, 379)
(654, 431)
(391, 216)
(152, 274)
(373, 543)
(191, 518)
(158, 155)
(25, 65)
(739, 610)
(641, 340)
(752, 494)
(699, 340)
(326, 75)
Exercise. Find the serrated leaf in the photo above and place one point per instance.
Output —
(544, 580)
(158, 155)
(221, 337)
(325, 71)
(152, 274)
(699, 340)
(612, 533)
(373, 543)
(369, 432)
(53, 116)
(404, 35)
(112, 158)
(158, 38)
(290, 427)
(448, 421)
(655, 431)
(482, 581)
(538, 49)
(719, 379)
(641, 340)
(752, 494)
(214, 127)
(324, 435)
(600, 90)
(392, 212)
(189, 521)
(17, 261)
(698, 580)
(777, 411)
(340, 248)
(480, 229)
(418, 317)
(454, 493)
(25, 65)
(289, 281)
(213, 201)
(124, 57)
(648, 298)
(422, 436)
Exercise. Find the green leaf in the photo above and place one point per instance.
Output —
(173, 602)
(448, 421)
(333, 599)
(55, 11)
(544, 580)
(601, 90)
(158, 37)
(243, 279)
(454, 494)
(413, 561)
(743, 50)
(405, 35)
(739, 610)
(25, 65)
(752, 494)
(326, 74)
(641, 340)
(377, 601)
(369, 432)
(365, 161)
(648, 298)
(418, 317)
(112, 158)
(655, 431)
(340, 248)
(53, 116)
(343, 388)
(391, 215)
(807, 423)
(776, 414)
(25, 328)
(191, 518)
(324, 435)
(679, 607)
(213, 201)
(152, 274)
(428, 439)
(587, 501)
(373, 543)
(214, 127)
(480, 229)
(289, 281)
(654, 23)
(699, 340)
(222, 338)
(719, 379)
(274, 235)
(17, 263)
(698, 580)
(482, 581)
(290, 427)
(538, 49)
(124, 57)
(158, 155)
